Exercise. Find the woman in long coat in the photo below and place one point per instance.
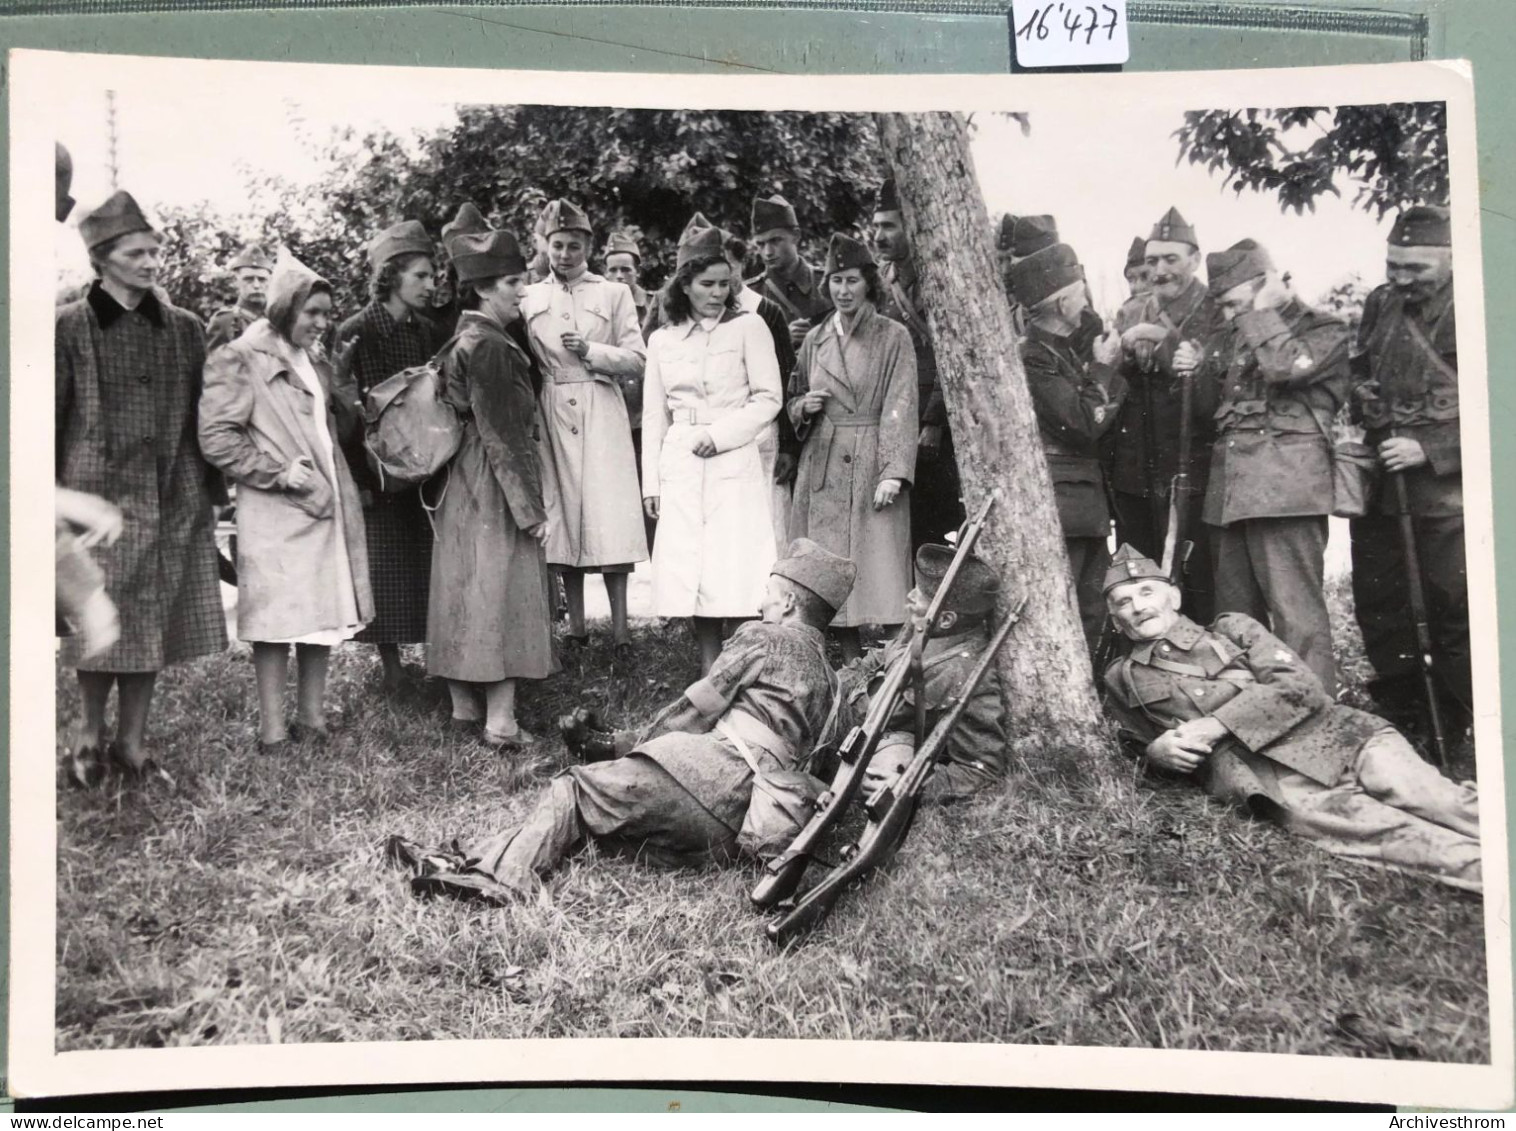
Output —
(854, 409)
(270, 421)
(490, 618)
(712, 390)
(583, 329)
(393, 332)
(127, 380)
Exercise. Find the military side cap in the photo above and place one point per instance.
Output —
(468, 219)
(974, 588)
(700, 240)
(773, 212)
(622, 244)
(251, 256)
(405, 238)
(1174, 228)
(1044, 273)
(1422, 225)
(1244, 260)
(486, 255)
(888, 197)
(828, 575)
(1005, 234)
(1137, 254)
(63, 173)
(1129, 565)
(1032, 234)
(118, 216)
(563, 216)
(845, 253)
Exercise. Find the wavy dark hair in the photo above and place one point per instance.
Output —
(673, 300)
(382, 284)
(874, 285)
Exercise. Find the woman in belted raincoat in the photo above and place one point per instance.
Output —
(854, 409)
(712, 388)
(269, 420)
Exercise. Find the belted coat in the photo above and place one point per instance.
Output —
(865, 434)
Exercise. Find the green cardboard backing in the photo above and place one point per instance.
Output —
(966, 36)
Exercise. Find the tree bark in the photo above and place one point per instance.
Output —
(1051, 707)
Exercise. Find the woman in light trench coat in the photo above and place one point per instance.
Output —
(854, 410)
(270, 419)
(712, 389)
(583, 329)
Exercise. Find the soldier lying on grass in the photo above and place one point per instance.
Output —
(1236, 708)
(682, 794)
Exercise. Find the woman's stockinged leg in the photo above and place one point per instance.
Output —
(500, 710)
(708, 639)
(271, 670)
(615, 590)
(312, 662)
(134, 691)
(573, 593)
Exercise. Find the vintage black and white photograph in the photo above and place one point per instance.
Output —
(975, 566)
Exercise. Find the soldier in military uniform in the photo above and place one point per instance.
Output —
(1076, 395)
(1145, 449)
(251, 271)
(1236, 709)
(797, 287)
(1407, 358)
(623, 261)
(975, 749)
(936, 507)
(1270, 489)
(681, 794)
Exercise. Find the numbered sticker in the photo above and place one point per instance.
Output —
(1069, 33)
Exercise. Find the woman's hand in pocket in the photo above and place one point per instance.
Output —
(539, 532)
(299, 474)
(886, 493)
(650, 507)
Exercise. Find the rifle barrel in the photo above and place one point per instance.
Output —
(1419, 616)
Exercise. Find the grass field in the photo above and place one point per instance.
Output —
(252, 906)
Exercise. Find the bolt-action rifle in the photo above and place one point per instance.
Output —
(1176, 548)
(891, 810)
(1419, 615)
(782, 875)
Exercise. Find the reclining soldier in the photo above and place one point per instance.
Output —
(1242, 713)
(680, 796)
(976, 747)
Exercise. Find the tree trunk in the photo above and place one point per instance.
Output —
(1051, 706)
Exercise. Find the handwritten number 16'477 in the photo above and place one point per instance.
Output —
(1072, 19)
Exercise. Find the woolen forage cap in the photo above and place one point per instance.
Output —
(486, 255)
(773, 212)
(1137, 254)
(1032, 234)
(1422, 225)
(888, 197)
(405, 238)
(1129, 565)
(1005, 233)
(1244, 260)
(118, 216)
(845, 253)
(622, 244)
(700, 240)
(468, 219)
(1044, 273)
(563, 216)
(974, 589)
(1174, 228)
(828, 575)
(251, 256)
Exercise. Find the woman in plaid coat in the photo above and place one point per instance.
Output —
(128, 371)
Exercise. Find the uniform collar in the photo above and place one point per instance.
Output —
(1186, 302)
(108, 311)
(1183, 634)
(685, 329)
(902, 272)
(587, 277)
(802, 277)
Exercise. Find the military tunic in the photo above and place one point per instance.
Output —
(126, 391)
(1076, 400)
(226, 325)
(801, 293)
(975, 750)
(1407, 358)
(1153, 406)
(1270, 488)
(938, 505)
(1338, 777)
(680, 796)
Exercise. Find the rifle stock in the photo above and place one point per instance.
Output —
(1420, 617)
(782, 875)
(891, 812)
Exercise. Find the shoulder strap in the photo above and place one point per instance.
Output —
(780, 298)
(1419, 336)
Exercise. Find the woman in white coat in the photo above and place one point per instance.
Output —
(712, 388)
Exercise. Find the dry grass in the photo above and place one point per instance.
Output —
(251, 906)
